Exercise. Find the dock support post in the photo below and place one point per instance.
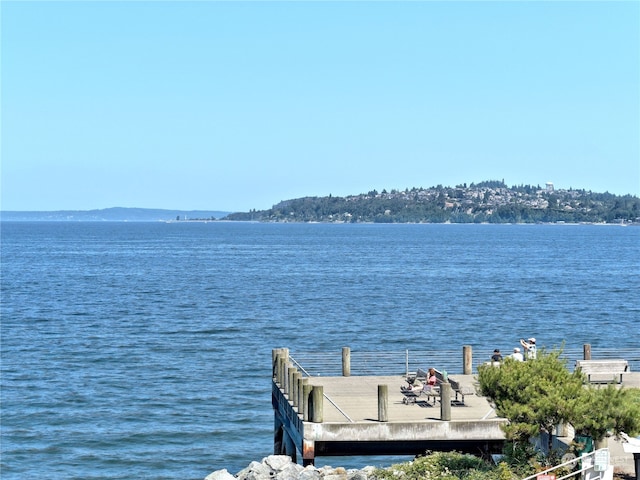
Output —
(306, 398)
(467, 360)
(346, 362)
(308, 452)
(445, 401)
(383, 403)
(315, 404)
(586, 351)
(278, 437)
(289, 447)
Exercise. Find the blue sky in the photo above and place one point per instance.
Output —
(239, 105)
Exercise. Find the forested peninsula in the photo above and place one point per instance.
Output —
(484, 202)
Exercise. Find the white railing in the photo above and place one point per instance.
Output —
(403, 362)
(594, 462)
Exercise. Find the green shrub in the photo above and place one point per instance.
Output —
(534, 395)
(446, 466)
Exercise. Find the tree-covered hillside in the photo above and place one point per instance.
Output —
(489, 201)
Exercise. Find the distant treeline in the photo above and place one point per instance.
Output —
(485, 202)
(115, 214)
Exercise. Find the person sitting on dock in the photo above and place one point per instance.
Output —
(516, 355)
(432, 380)
(415, 385)
(497, 356)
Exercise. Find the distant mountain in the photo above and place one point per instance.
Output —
(116, 214)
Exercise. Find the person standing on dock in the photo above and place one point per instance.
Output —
(529, 347)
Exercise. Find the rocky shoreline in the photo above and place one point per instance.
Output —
(280, 467)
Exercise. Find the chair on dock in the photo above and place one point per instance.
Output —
(413, 392)
(457, 388)
(418, 387)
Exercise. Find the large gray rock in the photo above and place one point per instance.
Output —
(309, 473)
(256, 471)
(278, 462)
(290, 472)
(220, 475)
(280, 467)
(357, 475)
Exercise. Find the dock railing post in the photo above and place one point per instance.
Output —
(283, 372)
(467, 359)
(285, 376)
(275, 356)
(315, 404)
(301, 401)
(294, 390)
(445, 401)
(346, 362)
(406, 362)
(291, 383)
(279, 368)
(306, 399)
(274, 362)
(586, 351)
(383, 403)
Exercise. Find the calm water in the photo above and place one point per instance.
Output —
(141, 350)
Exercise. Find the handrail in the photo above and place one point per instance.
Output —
(583, 468)
(375, 363)
(296, 363)
(338, 408)
(293, 360)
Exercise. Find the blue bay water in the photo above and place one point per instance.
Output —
(143, 350)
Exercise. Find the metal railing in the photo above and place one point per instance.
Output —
(588, 463)
(377, 363)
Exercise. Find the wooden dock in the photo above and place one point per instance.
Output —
(365, 415)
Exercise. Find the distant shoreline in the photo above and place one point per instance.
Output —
(264, 222)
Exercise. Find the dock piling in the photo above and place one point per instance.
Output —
(383, 403)
(302, 381)
(306, 398)
(445, 401)
(316, 404)
(467, 360)
(346, 362)
(295, 384)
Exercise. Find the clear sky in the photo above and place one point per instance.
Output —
(238, 105)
